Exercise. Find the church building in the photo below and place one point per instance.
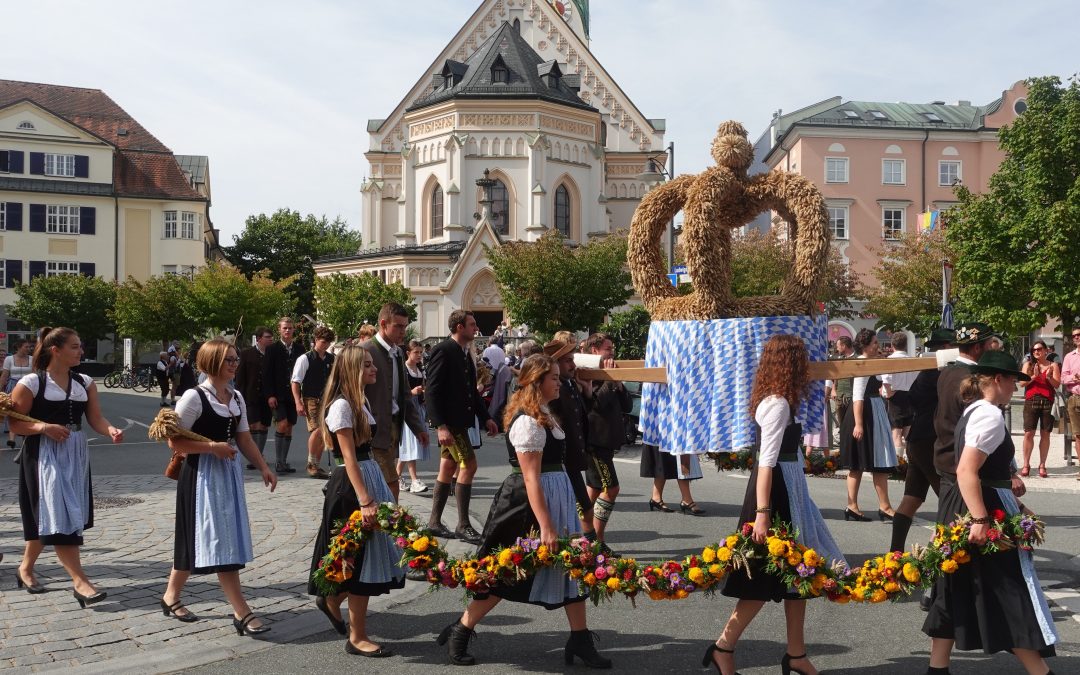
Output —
(517, 102)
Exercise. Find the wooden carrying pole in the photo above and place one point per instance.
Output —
(635, 371)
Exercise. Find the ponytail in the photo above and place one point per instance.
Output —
(47, 339)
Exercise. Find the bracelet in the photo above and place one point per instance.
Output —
(764, 509)
(985, 520)
(364, 506)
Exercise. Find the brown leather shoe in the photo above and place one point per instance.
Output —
(315, 471)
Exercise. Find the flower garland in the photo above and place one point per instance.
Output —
(735, 460)
(820, 463)
(601, 577)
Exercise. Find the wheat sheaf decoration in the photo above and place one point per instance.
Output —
(167, 425)
(715, 202)
(7, 409)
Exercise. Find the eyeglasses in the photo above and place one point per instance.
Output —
(1076, 335)
(231, 360)
(1038, 349)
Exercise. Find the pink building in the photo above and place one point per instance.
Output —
(879, 165)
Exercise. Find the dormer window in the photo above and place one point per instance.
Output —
(933, 117)
(500, 74)
(850, 114)
(550, 73)
(26, 125)
(878, 115)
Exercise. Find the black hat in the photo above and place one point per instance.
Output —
(940, 337)
(994, 362)
(973, 333)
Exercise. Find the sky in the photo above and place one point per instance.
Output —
(278, 94)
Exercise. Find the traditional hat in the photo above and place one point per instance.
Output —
(940, 337)
(973, 333)
(557, 349)
(994, 362)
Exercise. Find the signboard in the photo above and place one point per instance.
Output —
(674, 279)
(678, 269)
(127, 352)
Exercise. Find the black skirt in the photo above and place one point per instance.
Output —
(656, 464)
(757, 584)
(184, 540)
(858, 455)
(29, 494)
(985, 604)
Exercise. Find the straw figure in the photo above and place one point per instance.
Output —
(715, 202)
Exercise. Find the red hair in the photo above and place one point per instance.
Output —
(783, 371)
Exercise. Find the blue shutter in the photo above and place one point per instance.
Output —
(86, 269)
(15, 161)
(82, 166)
(37, 163)
(13, 217)
(87, 220)
(37, 217)
(37, 269)
(13, 272)
(5, 161)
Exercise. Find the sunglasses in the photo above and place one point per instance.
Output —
(1038, 349)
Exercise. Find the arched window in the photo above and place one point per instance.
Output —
(500, 208)
(562, 210)
(437, 211)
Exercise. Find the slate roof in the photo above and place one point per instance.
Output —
(449, 248)
(143, 165)
(900, 115)
(527, 71)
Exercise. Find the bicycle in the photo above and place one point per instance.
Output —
(115, 378)
(144, 380)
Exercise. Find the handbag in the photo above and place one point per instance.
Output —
(172, 469)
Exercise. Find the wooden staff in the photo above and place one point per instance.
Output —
(635, 371)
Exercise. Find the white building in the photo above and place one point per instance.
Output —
(518, 94)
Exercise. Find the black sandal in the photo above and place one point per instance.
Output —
(243, 626)
(167, 609)
(692, 508)
(708, 659)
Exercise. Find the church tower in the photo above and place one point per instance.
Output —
(576, 15)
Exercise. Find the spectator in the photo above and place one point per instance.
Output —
(307, 382)
(894, 389)
(841, 389)
(365, 333)
(17, 365)
(163, 370)
(1070, 376)
(188, 378)
(1039, 404)
(277, 369)
(249, 384)
(412, 449)
(495, 357)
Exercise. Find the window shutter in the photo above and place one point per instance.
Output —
(87, 220)
(86, 269)
(13, 272)
(14, 216)
(37, 217)
(82, 166)
(5, 161)
(37, 163)
(37, 269)
(15, 161)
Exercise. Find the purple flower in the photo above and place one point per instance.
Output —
(946, 549)
(600, 559)
(689, 588)
(675, 580)
(805, 571)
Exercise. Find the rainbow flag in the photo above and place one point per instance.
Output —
(928, 221)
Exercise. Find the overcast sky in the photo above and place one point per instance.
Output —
(278, 94)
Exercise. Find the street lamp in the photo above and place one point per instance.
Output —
(655, 173)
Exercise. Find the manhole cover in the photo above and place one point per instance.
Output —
(115, 502)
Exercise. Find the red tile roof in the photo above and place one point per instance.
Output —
(144, 166)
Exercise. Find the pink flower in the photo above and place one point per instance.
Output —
(601, 573)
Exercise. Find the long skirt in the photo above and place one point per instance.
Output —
(656, 464)
(993, 603)
(377, 568)
(875, 451)
(791, 502)
(212, 529)
(411, 449)
(511, 517)
(56, 496)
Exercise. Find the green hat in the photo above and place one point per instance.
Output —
(973, 333)
(940, 337)
(995, 362)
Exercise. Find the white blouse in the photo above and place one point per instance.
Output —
(16, 372)
(53, 392)
(772, 415)
(527, 435)
(189, 407)
(985, 427)
(858, 386)
(340, 416)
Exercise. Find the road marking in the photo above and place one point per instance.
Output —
(131, 421)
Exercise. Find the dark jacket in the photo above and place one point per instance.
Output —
(380, 393)
(278, 364)
(924, 401)
(572, 409)
(451, 395)
(607, 424)
(249, 375)
(949, 409)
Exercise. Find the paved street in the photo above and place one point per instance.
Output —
(129, 554)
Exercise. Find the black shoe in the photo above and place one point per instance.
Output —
(164, 404)
(468, 535)
(785, 664)
(692, 508)
(926, 601)
(441, 531)
(883, 516)
(250, 466)
(167, 609)
(379, 653)
(416, 575)
(243, 626)
(285, 468)
(32, 589)
(458, 637)
(11, 444)
(660, 506)
(85, 600)
(337, 623)
(851, 515)
(708, 659)
(581, 644)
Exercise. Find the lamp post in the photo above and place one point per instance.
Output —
(654, 173)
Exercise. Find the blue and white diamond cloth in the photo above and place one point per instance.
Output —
(704, 407)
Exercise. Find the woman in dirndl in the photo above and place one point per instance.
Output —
(55, 493)
(212, 533)
(17, 365)
(537, 495)
(777, 489)
(994, 602)
(866, 442)
(356, 485)
(412, 449)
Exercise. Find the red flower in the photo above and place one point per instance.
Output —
(628, 575)
(747, 529)
(999, 515)
(516, 558)
(993, 534)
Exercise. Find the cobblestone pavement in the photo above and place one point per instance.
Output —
(128, 553)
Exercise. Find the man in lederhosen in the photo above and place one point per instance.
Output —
(277, 369)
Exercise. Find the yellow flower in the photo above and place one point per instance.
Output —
(891, 587)
(696, 575)
(911, 573)
(878, 596)
(723, 554)
(590, 579)
(680, 594)
(794, 559)
(811, 557)
(961, 556)
(470, 575)
(949, 566)
(858, 593)
(731, 540)
(818, 581)
(575, 573)
(543, 554)
(843, 598)
(421, 544)
(504, 557)
(708, 554)
(716, 570)
(612, 584)
(656, 594)
(777, 547)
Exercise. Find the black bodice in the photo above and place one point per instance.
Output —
(998, 464)
(58, 412)
(873, 388)
(554, 449)
(221, 429)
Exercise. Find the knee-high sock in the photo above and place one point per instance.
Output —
(463, 494)
(260, 440)
(280, 447)
(285, 452)
(438, 502)
(900, 526)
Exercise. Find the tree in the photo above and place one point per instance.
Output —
(551, 286)
(907, 295)
(629, 331)
(155, 310)
(1015, 246)
(221, 296)
(285, 245)
(71, 300)
(345, 301)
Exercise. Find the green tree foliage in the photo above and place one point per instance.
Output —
(551, 286)
(155, 310)
(70, 300)
(629, 331)
(221, 295)
(286, 244)
(907, 294)
(346, 301)
(1016, 251)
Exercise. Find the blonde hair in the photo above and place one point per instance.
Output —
(366, 332)
(211, 356)
(527, 397)
(346, 381)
